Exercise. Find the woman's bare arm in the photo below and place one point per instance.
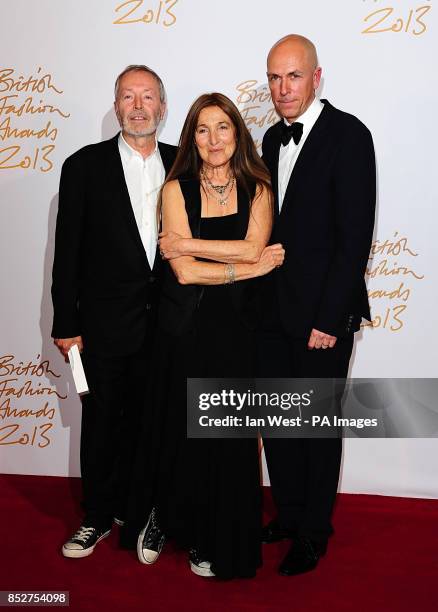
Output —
(174, 244)
(190, 271)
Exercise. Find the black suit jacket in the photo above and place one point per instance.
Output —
(325, 225)
(103, 288)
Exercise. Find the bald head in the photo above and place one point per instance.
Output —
(293, 43)
(293, 75)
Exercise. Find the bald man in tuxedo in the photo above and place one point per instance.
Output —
(324, 181)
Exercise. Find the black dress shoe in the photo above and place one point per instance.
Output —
(272, 532)
(303, 556)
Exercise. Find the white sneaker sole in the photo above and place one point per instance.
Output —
(73, 553)
(205, 572)
(146, 555)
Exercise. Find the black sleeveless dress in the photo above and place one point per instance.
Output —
(207, 491)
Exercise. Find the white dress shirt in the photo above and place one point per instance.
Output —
(289, 153)
(144, 178)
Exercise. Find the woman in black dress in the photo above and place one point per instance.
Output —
(216, 222)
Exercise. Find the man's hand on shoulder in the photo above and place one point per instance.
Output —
(65, 344)
(319, 339)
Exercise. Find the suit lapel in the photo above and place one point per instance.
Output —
(120, 193)
(167, 156)
(307, 154)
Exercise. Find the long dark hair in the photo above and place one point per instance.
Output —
(245, 163)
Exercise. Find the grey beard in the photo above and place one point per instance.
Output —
(149, 131)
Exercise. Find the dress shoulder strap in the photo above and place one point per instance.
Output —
(192, 199)
(190, 190)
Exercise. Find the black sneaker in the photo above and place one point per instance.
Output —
(198, 565)
(84, 541)
(150, 541)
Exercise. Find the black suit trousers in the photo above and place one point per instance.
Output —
(111, 416)
(304, 472)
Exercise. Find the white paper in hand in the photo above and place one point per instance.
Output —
(77, 369)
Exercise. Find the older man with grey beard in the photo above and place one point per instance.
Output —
(105, 285)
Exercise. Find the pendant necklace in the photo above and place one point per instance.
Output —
(220, 190)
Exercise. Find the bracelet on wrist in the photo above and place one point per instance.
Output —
(230, 274)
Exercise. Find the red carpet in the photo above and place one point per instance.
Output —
(384, 557)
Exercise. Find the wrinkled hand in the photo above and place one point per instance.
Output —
(319, 339)
(271, 257)
(65, 344)
(170, 245)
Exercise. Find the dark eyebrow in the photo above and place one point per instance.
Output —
(225, 122)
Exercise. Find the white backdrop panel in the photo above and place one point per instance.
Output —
(57, 67)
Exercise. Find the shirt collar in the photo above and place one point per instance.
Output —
(129, 153)
(310, 115)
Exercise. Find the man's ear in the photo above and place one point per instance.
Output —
(163, 110)
(116, 110)
(317, 77)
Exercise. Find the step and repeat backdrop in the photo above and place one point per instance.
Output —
(58, 63)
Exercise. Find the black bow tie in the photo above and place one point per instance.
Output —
(295, 131)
